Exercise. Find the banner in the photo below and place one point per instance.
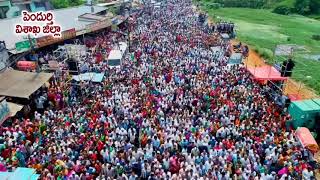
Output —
(98, 25)
(48, 40)
(4, 110)
(25, 45)
(69, 34)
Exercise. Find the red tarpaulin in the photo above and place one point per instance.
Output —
(294, 97)
(306, 139)
(266, 73)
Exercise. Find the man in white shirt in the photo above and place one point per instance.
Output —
(307, 174)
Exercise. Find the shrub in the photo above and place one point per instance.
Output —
(302, 7)
(58, 4)
(284, 10)
(316, 37)
(214, 5)
(267, 54)
(242, 3)
(315, 6)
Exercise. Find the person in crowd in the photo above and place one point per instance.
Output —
(287, 67)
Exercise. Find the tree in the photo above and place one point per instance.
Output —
(58, 4)
(75, 2)
(284, 10)
(314, 6)
(302, 7)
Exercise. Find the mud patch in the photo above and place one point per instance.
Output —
(287, 49)
(312, 57)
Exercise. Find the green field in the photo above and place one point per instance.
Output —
(263, 30)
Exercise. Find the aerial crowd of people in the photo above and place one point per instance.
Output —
(174, 110)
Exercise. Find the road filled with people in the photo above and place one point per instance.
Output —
(175, 110)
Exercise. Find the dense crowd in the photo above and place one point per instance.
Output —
(175, 110)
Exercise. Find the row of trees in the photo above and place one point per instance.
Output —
(304, 7)
(307, 7)
(242, 3)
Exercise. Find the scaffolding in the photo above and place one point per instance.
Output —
(294, 90)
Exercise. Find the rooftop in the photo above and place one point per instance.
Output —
(91, 17)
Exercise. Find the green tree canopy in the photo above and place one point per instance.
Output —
(58, 4)
(315, 6)
(302, 6)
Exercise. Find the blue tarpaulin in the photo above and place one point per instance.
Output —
(94, 77)
(236, 58)
(22, 174)
(5, 175)
(35, 177)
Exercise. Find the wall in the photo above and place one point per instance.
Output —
(4, 7)
(4, 57)
(13, 12)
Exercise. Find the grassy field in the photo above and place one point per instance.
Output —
(264, 30)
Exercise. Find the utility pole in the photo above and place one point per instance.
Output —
(32, 51)
(31, 43)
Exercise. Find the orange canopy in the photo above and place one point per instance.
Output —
(266, 72)
(306, 139)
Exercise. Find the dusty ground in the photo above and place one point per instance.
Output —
(254, 60)
(304, 92)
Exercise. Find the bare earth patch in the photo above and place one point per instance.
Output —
(312, 57)
(285, 49)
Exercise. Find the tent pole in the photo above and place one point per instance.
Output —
(300, 86)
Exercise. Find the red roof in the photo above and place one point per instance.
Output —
(266, 73)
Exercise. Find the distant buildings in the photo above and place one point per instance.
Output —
(81, 19)
(13, 8)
